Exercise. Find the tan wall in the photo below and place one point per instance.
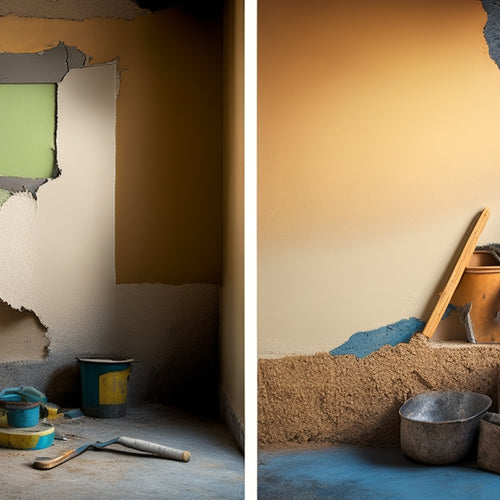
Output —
(378, 144)
(168, 175)
(232, 298)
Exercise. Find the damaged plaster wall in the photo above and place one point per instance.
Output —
(58, 254)
(323, 399)
(22, 336)
(168, 134)
(59, 263)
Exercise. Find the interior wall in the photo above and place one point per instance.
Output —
(378, 131)
(168, 134)
(232, 291)
(121, 253)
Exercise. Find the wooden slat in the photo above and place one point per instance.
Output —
(456, 275)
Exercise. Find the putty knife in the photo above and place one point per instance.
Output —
(137, 444)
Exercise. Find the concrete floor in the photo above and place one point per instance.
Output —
(215, 470)
(368, 473)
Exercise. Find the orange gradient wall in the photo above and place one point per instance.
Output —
(378, 144)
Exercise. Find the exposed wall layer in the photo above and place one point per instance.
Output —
(58, 261)
(323, 399)
(168, 135)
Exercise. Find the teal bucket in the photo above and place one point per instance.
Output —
(104, 386)
(21, 413)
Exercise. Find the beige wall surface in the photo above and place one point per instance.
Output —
(232, 295)
(168, 153)
(378, 144)
(120, 254)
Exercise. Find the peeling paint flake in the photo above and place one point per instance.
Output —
(362, 344)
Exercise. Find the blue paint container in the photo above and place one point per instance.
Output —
(104, 386)
(21, 413)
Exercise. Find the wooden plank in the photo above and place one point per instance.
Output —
(456, 275)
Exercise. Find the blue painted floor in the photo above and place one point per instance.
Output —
(368, 473)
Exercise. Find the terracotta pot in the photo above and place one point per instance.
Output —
(480, 287)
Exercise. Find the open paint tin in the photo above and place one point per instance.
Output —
(21, 413)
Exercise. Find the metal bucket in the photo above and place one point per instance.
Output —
(104, 386)
(441, 427)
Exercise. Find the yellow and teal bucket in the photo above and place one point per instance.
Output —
(104, 386)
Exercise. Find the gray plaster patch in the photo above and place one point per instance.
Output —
(48, 66)
(21, 184)
(492, 28)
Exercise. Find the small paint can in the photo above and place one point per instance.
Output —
(34, 438)
(21, 413)
(104, 386)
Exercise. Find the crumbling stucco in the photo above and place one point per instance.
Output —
(324, 399)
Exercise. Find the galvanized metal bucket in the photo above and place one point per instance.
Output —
(441, 427)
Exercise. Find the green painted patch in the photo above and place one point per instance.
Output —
(4, 196)
(27, 130)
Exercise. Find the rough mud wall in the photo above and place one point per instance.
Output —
(324, 399)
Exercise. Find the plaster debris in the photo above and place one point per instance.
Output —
(323, 399)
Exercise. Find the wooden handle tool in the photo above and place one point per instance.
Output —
(136, 444)
(456, 275)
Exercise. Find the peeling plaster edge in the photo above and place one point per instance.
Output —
(25, 309)
(491, 29)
